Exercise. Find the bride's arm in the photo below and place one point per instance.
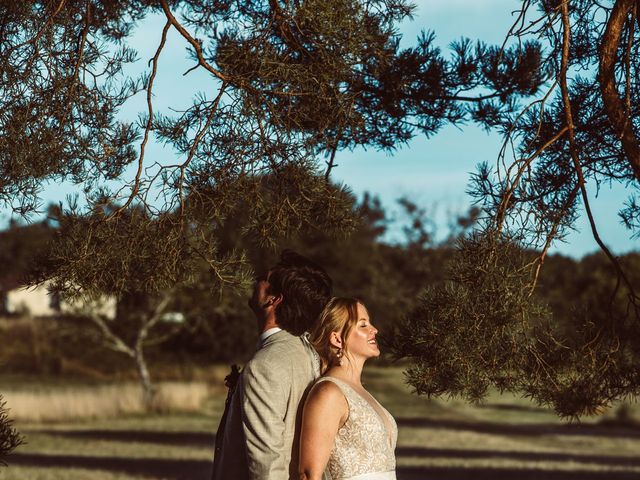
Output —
(325, 411)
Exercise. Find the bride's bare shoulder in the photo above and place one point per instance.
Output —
(327, 401)
(325, 385)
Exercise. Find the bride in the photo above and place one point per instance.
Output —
(345, 431)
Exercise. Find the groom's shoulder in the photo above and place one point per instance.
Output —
(283, 349)
(281, 341)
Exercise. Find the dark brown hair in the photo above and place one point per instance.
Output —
(305, 288)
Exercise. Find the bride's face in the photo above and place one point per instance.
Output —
(361, 340)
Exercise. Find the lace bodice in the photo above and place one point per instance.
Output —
(366, 442)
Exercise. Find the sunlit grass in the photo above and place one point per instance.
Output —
(35, 473)
(438, 438)
(504, 432)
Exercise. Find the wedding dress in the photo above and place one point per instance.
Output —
(364, 446)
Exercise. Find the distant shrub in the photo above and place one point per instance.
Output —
(10, 439)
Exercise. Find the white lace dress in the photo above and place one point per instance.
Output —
(364, 446)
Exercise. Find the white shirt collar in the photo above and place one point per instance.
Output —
(267, 333)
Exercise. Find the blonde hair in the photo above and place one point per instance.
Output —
(340, 314)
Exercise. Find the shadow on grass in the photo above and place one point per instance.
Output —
(195, 439)
(192, 439)
(531, 430)
(154, 467)
(513, 408)
(440, 473)
(420, 452)
(200, 469)
(201, 439)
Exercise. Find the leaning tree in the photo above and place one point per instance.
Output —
(486, 327)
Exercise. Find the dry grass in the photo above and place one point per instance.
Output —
(108, 401)
(34, 473)
(505, 438)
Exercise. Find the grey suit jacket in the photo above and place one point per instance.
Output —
(263, 424)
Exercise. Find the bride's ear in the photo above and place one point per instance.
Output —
(335, 340)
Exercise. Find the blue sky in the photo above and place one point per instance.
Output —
(432, 172)
(435, 172)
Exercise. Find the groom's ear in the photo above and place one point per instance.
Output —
(273, 301)
(335, 339)
(276, 300)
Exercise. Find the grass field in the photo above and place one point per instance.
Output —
(505, 438)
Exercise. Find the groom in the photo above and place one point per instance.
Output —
(261, 424)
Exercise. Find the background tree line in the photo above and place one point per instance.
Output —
(218, 326)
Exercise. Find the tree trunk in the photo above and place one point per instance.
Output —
(613, 105)
(148, 390)
(147, 324)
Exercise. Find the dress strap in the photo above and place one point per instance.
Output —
(346, 390)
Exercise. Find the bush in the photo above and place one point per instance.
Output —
(10, 439)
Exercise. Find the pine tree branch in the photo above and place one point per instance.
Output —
(136, 185)
(152, 320)
(551, 237)
(566, 39)
(504, 203)
(197, 47)
(215, 72)
(40, 32)
(76, 68)
(114, 342)
(196, 142)
(613, 105)
(627, 61)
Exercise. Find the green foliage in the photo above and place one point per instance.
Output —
(570, 345)
(88, 252)
(61, 89)
(138, 253)
(294, 83)
(493, 323)
(10, 439)
(566, 146)
(597, 359)
(267, 208)
(218, 328)
(475, 330)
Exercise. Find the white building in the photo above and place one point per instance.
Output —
(38, 301)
